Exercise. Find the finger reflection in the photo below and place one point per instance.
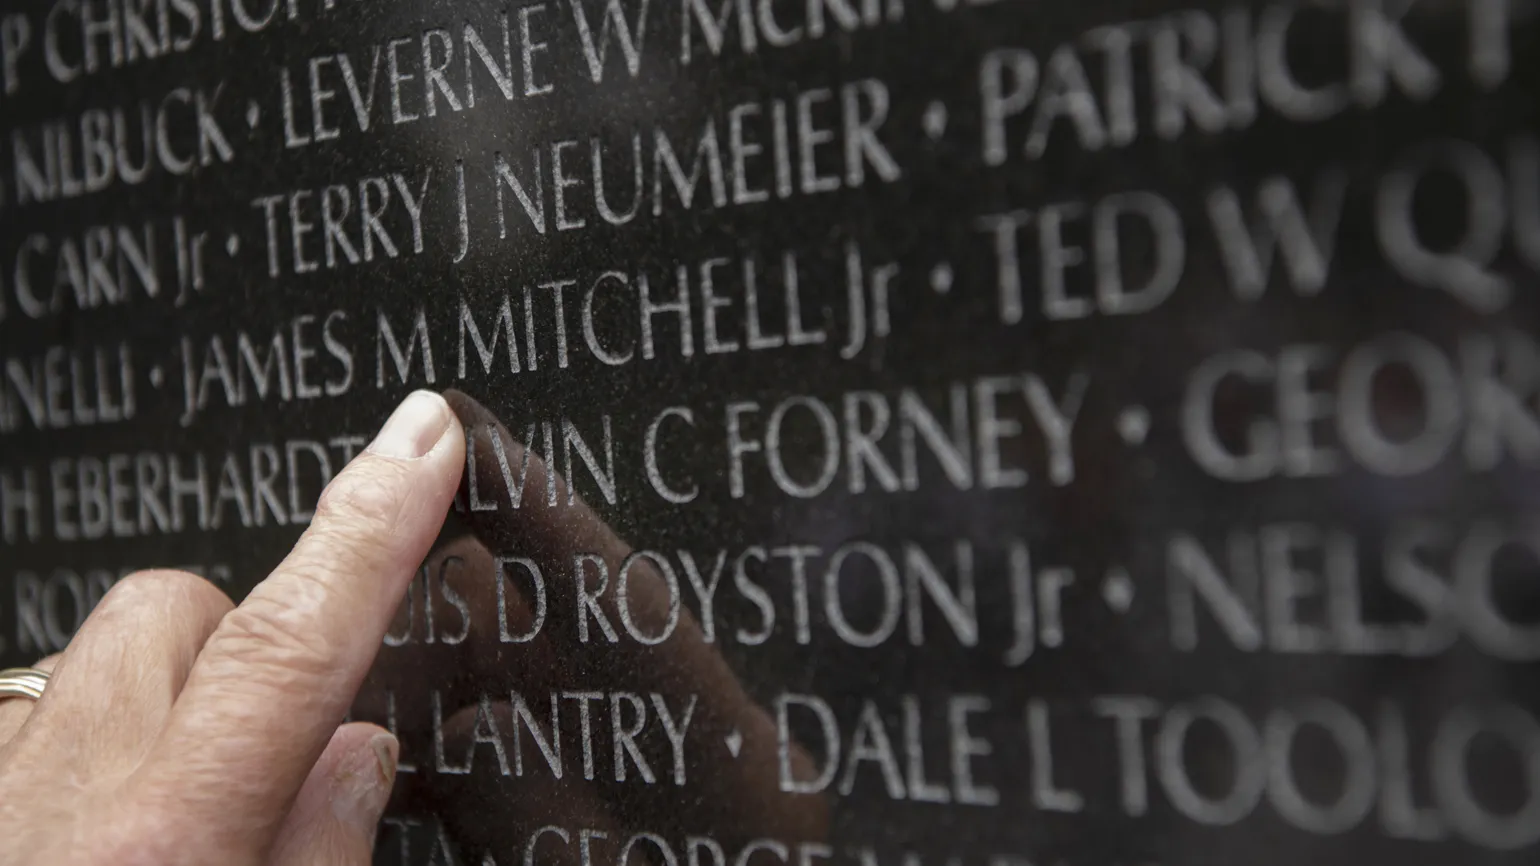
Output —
(557, 701)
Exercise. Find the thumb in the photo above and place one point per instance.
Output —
(334, 819)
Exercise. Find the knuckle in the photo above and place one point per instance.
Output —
(161, 591)
(149, 628)
(268, 642)
(330, 552)
(365, 499)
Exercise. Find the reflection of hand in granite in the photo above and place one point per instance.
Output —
(651, 731)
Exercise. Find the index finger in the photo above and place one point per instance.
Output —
(277, 676)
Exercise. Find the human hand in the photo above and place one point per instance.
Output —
(178, 728)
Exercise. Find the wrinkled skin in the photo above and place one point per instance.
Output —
(179, 728)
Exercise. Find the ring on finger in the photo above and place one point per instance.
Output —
(23, 683)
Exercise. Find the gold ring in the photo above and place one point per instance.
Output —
(23, 683)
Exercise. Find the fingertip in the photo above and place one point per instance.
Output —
(337, 813)
(398, 489)
(418, 427)
(361, 783)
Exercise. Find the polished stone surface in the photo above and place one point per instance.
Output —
(902, 431)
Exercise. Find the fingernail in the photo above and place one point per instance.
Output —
(367, 787)
(386, 751)
(414, 428)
